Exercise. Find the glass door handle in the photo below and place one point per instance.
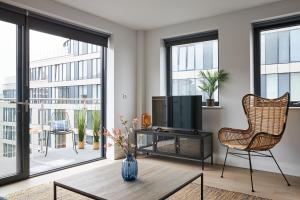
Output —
(26, 104)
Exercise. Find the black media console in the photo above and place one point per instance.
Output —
(179, 143)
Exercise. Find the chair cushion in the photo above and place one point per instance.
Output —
(235, 145)
(60, 125)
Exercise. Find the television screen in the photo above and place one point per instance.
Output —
(183, 112)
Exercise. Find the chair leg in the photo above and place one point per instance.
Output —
(74, 144)
(47, 142)
(224, 162)
(280, 169)
(251, 171)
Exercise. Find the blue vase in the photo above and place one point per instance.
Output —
(129, 168)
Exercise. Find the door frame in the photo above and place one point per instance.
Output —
(17, 16)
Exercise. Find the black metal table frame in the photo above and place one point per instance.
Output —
(176, 135)
(57, 184)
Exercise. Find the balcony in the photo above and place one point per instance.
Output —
(60, 147)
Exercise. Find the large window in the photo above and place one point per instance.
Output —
(186, 57)
(41, 77)
(277, 58)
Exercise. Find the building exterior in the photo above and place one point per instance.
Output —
(68, 82)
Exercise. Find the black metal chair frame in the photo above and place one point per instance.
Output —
(64, 132)
(248, 154)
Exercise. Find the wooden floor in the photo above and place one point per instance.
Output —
(266, 184)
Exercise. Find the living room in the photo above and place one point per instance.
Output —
(76, 71)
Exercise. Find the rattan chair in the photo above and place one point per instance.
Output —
(267, 120)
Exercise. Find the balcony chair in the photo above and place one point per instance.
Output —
(60, 125)
(267, 120)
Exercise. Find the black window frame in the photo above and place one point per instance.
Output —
(259, 27)
(187, 39)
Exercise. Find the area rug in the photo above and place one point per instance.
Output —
(191, 191)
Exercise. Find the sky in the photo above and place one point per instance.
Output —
(42, 46)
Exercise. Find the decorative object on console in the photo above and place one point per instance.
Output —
(96, 129)
(81, 125)
(267, 120)
(146, 120)
(121, 138)
(210, 82)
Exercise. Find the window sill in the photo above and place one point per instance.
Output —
(294, 108)
(212, 107)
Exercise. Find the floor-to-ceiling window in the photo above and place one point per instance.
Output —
(65, 79)
(50, 71)
(277, 58)
(186, 57)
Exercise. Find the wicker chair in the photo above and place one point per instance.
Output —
(267, 120)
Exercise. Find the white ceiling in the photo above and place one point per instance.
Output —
(150, 14)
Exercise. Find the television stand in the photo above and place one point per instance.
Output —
(179, 143)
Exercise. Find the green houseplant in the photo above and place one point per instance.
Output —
(81, 125)
(210, 82)
(96, 129)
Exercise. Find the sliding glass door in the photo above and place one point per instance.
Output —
(65, 80)
(51, 72)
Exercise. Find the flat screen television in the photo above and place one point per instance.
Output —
(183, 112)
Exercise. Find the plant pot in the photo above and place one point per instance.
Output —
(210, 102)
(129, 168)
(96, 145)
(81, 145)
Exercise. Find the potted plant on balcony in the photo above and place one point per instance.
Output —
(96, 129)
(81, 125)
(210, 82)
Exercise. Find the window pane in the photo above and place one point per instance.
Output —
(215, 54)
(175, 87)
(263, 85)
(272, 48)
(182, 58)
(175, 58)
(284, 47)
(272, 86)
(295, 89)
(199, 55)
(295, 45)
(262, 49)
(191, 57)
(208, 55)
(283, 83)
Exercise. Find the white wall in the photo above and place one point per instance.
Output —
(121, 77)
(235, 58)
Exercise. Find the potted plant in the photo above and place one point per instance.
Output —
(96, 129)
(210, 82)
(81, 125)
(120, 137)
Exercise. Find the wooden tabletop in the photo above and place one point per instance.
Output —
(154, 181)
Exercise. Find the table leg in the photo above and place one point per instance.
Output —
(202, 187)
(54, 192)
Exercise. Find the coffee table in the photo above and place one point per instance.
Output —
(155, 181)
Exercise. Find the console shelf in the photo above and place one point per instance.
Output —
(179, 143)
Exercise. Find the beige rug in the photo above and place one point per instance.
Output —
(192, 191)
